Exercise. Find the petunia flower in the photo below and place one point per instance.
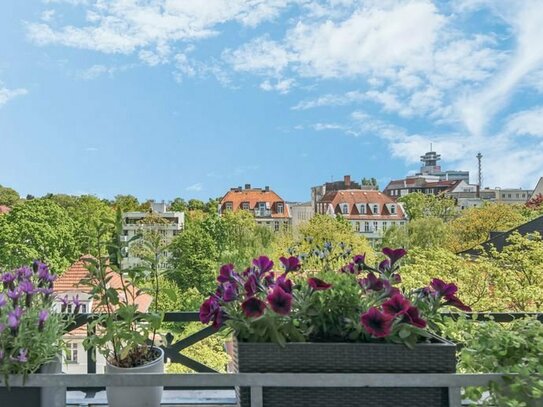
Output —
(210, 311)
(377, 323)
(371, 283)
(230, 292)
(394, 254)
(283, 282)
(290, 264)
(280, 301)
(251, 285)
(443, 289)
(389, 290)
(396, 305)
(263, 264)
(317, 284)
(42, 317)
(253, 307)
(384, 265)
(360, 259)
(456, 302)
(226, 273)
(412, 317)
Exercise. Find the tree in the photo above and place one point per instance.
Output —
(474, 225)
(418, 205)
(196, 205)
(426, 233)
(8, 196)
(178, 205)
(126, 203)
(370, 182)
(38, 229)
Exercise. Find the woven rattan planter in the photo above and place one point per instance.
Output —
(437, 357)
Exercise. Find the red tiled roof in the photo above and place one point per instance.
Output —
(4, 209)
(253, 197)
(353, 197)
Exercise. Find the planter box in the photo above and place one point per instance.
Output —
(31, 396)
(437, 357)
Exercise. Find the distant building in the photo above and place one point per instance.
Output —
(301, 212)
(473, 198)
(538, 190)
(430, 167)
(318, 192)
(171, 223)
(369, 212)
(268, 208)
(69, 284)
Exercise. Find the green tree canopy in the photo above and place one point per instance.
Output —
(127, 203)
(8, 196)
(38, 229)
(178, 205)
(418, 205)
(426, 233)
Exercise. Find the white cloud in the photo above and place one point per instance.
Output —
(7, 94)
(260, 56)
(195, 187)
(328, 126)
(330, 100)
(98, 70)
(283, 86)
(529, 122)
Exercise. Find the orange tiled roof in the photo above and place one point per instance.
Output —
(354, 197)
(253, 196)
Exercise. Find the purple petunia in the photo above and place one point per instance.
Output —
(384, 265)
(371, 283)
(443, 289)
(377, 323)
(253, 307)
(350, 268)
(456, 302)
(394, 254)
(290, 264)
(412, 317)
(211, 311)
(396, 305)
(283, 282)
(226, 273)
(251, 285)
(280, 301)
(230, 292)
(263, 264)
(317, 284)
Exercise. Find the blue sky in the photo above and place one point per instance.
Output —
(165, 98)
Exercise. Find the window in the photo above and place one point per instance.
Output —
(393, 209)
(503, 195)
(345, 209)
(375, 209)
(362, 209)
(375, 226)
(384, 226)
(228, 206)
(276, 226)
(357, 226)
(280, 207)
(71, 352)
(366, 226)
(245, 206)
(518, 196)
(508, 195)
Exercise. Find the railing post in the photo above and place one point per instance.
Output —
(256, 396)
(455, 397)
(91, 353)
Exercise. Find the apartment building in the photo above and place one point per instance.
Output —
(268, 208)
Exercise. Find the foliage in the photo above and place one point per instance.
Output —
(418, 205)
(121, 331)
(371, 182)
(38, 229)
(8, 196)
(321, 230)
(30, 329)
(491, 347)
(260, 305)
(426, 232)
(474, 225)
(178, 205)
(126, 203)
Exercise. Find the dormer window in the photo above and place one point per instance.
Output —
(245, 206)
(228, 206)
(375, 209)
(362, 209)
(345, 209)
(280, 207)
(393, 209)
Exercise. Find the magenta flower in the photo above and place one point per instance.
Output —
(42, 317)
(290, 264)
(280, 301)
(397, 305)
(226, 273)
(384, 265)
(377, 323)
(263, 263)
(253, 307)
(360, 259)
(371, 283)
(251, 285)
(230, 292)
(389, 290)
(211, 311)
(443, 289)
(317, 284)
(456, 302)
(412, 317)
(350, 268)
(394, 254)
(283, 282)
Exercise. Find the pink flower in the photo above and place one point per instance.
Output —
(377, 323)
(317, 284)
(280, 301)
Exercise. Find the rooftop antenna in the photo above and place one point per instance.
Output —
(480, 174)
(431, 147)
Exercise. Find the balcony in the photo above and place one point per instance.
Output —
(207, 387)
(263, 213)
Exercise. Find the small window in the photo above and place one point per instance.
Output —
(71, 352)
(375, 209)
(357, 226)
(393, 209)
(503, 195)
(375, 226)
(366, 226)
(345, 209)
(280, 207)
(276, 226)
(362, 209)
(228, 206)
(245, 206)
(385, 226)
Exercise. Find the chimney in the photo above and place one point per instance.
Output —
(267, 188)
(247, 186)
(347, 181)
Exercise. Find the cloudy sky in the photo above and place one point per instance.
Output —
(164, 98)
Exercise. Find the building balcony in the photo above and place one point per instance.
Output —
(263, 213)
(209, 388)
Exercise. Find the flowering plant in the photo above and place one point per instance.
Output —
(30, 329)
(358, 303)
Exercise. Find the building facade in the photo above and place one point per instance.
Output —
(369, 212)
(268, 208)
(301, 212)
(157, 219)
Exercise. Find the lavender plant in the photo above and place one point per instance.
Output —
(30, 328)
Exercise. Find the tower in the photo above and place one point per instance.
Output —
(429, 161)
(479, 174)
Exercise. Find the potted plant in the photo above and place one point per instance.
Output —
(124, 328)
(352, 320)
(30, 332)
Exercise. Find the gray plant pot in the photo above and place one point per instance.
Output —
(436, 357)
(136, 396)
(32, 396)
